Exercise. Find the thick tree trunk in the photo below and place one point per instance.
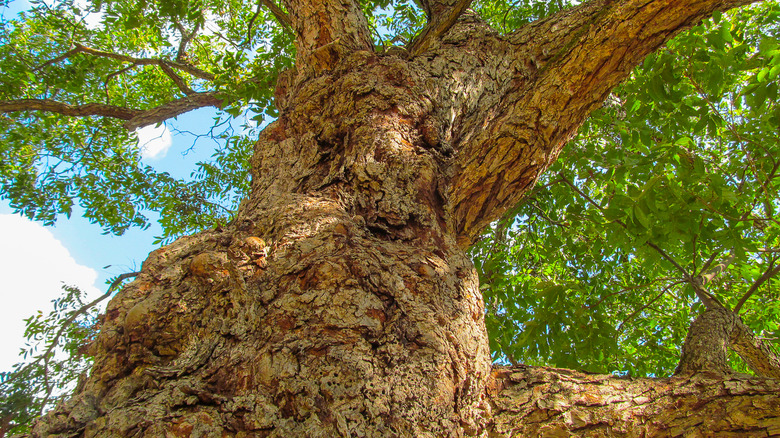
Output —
(340, 302)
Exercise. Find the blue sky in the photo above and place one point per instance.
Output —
(35, 260)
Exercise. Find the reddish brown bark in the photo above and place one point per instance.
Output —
(340, 302)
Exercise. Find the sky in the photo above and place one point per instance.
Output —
(36, 260)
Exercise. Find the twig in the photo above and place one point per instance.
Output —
(78, 312)
(768, 273)
(636, 312)
(601, 209)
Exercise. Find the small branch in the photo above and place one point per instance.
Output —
(638, 311)
(601, 209)
(181, 53)
(278, 13)
(178, 80)
(768, 273)
(709, 261)
(194, 71)
(436, 28)
(89, 109)
(83, 309)
(78, 312)
(62, 57)
(112, 76)
(626, 289)
(252, 23)
(716, 270)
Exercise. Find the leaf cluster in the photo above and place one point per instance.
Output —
(53, 361)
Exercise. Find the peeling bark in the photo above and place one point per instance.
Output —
(341, 302)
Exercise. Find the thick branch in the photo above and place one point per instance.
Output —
(565, 67)
(327, 30)
(173, 108)
(278, 13)
(134, 118)
(533, 402)
(443, 14)
(89, 109)
(757, 353)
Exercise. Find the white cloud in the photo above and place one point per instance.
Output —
(154, 141)
(92, 20)
(33, 266)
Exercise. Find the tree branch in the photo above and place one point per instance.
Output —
(699, 282)
(181, 53)
(89, 109)
(178, 80)
(442, 17)
(174, 108)
(599, 405)
(757, 353)
(565, 66)
(134, 118)
(79, 48)
(78, 312)
(768, 273)
(278, 13)
(622, 224)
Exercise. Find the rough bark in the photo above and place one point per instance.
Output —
(340, 302)
(545, 402)
(560, 69)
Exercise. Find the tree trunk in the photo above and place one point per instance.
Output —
(341, 302)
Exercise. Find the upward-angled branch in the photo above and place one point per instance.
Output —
(700, 281)
(442, 15)
(565, 66)
(327, 30)
(770, 272)
(278, 13)
(186, 37)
